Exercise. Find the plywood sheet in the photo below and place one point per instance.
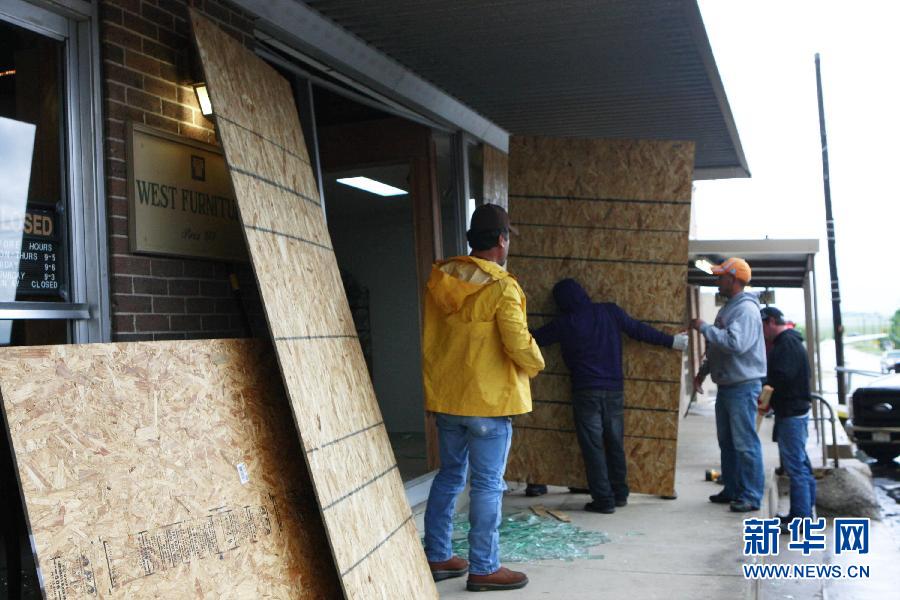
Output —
(367, 519)
(613, 214)
(163, 470)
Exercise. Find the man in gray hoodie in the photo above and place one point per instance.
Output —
(736, 359)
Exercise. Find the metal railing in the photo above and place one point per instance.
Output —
(819, 416)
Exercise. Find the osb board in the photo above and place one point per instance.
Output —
(613, 214)
(357, 484)
(130, 460)
(495, 175)
(647, 459)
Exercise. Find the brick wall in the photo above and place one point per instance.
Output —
(148, 66)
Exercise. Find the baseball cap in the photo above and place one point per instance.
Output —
(490, 217)
(770, 312)
(734, 266)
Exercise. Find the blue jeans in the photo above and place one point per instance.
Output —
(792, 433)
(482, 443)
(742, 464)
(600, 426)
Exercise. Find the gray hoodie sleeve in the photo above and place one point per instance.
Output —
(739, 335)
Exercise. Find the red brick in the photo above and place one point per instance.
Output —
(142, 63)
(132, 5)
(200, 306)
(118, 225)
(173, 40)
(114, 91)
(120, 74)
(215, 322)
(127, 303)
(183, 287)
(161, 122)
(226, 306)
(143, 100)
(187, 96)
(158, 87)
(177, 111)
(134, 265)
(116, 168)
(203, 122)
(118, 207)
(111, 14)
(162, 267)
(150, 285)
(201, 269)
(123, 323)
(134, 337)
(121, 284)
(112, 53)
(120, 36)
(139, 25)
(123, 112)
(119, 245)
(168, 305)
(215, 289)
(115, 129)
(151, 323)
(160, 17)
(170, 72)
(158, 51)
(167, 337)
(176, 8)
(115, 149)
(184, 323)
(116, 187)
(196, 133)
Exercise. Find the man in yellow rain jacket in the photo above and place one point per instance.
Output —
(478, 357)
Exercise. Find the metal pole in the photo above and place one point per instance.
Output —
(832, 259)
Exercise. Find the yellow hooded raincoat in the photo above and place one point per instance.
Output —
(477, 352)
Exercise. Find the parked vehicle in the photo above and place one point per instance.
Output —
(889, 360)
(875, 420)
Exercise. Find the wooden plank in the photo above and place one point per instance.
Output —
(367, 518)
(613, 214)
(559, 515)
(163, 470)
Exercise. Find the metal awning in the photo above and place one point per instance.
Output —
(774, 263)
(635, 69)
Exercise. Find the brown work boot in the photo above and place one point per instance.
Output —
(448, 569)
(501, 579)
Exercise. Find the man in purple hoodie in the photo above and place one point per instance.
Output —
(590, 335)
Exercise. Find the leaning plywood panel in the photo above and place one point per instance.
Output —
(613, 214)
(367, 518)
(163, 470)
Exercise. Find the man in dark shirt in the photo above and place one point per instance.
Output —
(788, 374)
(590, 336)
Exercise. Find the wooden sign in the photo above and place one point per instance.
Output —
(180, 198)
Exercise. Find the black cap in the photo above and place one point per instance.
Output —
(770, 312)
(490, 217)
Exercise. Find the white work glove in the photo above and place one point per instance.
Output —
(680, 341)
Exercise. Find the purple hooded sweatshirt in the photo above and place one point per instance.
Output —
(590, 336)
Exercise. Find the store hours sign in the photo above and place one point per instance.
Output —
(31, 255)
(180, 198)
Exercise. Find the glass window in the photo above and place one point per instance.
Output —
(33, 198)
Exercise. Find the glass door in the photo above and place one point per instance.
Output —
(52, 218)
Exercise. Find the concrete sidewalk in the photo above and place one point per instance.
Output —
(685, 548)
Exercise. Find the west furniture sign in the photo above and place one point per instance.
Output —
(180, 198)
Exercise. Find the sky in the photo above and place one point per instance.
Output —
(765, 54)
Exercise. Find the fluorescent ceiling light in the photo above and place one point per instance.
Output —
(372, 186)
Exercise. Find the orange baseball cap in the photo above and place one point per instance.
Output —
(734, 266)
